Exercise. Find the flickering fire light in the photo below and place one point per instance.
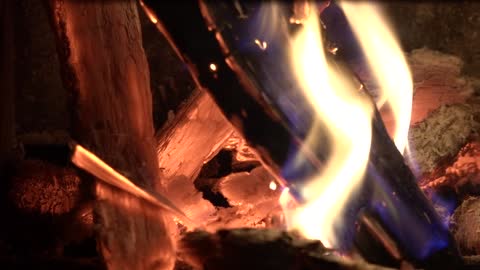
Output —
(338, 104)
(283, 109)
(387, 62)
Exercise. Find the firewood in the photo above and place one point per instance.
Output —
(44, 188)
(196, 133)
(193, 137)
(244, 156)
(260, 249)
(251, 201)
(104, 66)
(237, 84)
(248, 187)
(48, 207)
(466, 225)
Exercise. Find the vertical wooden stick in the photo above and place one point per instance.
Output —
(104, 65)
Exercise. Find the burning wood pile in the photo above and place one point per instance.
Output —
(287, 155)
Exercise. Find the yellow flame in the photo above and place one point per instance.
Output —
(386, 61)
(347, 114)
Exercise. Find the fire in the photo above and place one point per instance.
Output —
(213, 67)
(149, 13)
(273, 185)
(88, 161)
(347, 114)
(386, 61)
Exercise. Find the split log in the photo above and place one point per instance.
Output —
(104, 66)
(260, 249)
(193, 137)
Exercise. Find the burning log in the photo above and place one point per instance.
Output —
(257, 108)
(249, 200)
(193, 137)
(104, 66)
(260, 249)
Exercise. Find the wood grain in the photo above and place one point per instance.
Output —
(104, 66)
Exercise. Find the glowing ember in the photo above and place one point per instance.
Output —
(273, 185)
(213, 67)
(149, 13)
(386, 61)
(261, 44)
(347, 115)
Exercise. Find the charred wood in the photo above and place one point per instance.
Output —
(193, 137)
(260, 249)
(242, 91)
(49, 208)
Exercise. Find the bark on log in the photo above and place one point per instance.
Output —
(104, 65)
(194, 136)
(260, 249)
